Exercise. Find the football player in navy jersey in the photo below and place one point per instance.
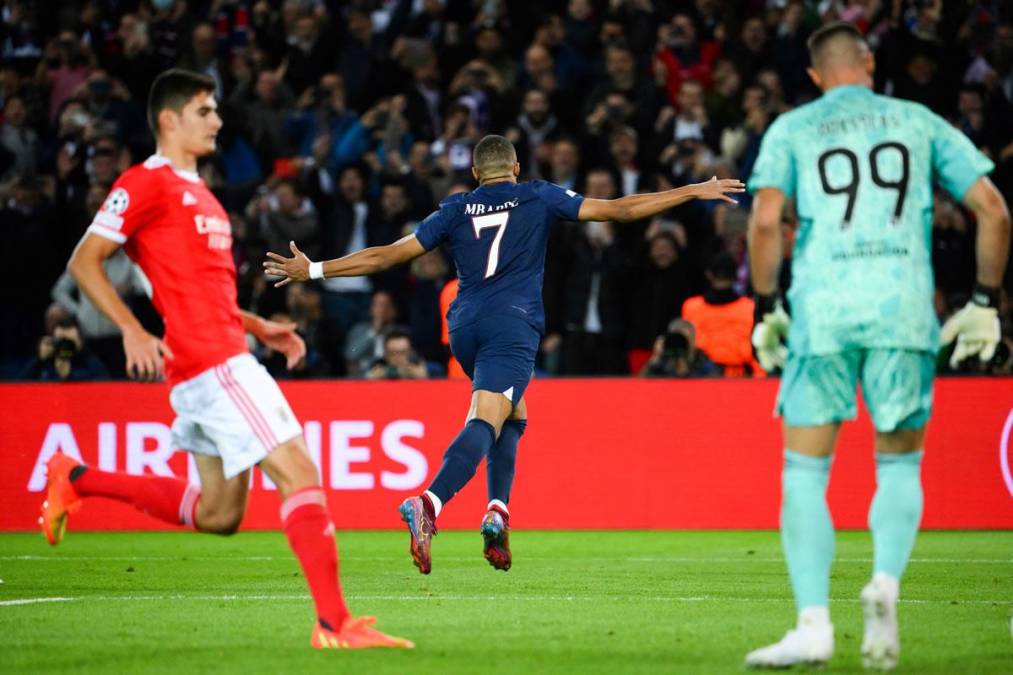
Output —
(497, 237)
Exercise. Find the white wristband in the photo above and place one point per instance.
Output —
(316, 270)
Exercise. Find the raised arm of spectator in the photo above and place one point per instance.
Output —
(361, 263)
(639, 206)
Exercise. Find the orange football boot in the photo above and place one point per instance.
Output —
(356, 632)
(61, 498)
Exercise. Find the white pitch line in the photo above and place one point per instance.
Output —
(32, 601)
(462, 598)
(944, 561)
(637, 559)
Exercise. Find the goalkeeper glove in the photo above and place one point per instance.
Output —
(975, 327)
(770, 332)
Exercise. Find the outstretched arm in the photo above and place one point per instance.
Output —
(636, 207)
(367, 261)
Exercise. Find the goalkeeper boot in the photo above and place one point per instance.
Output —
(61, 498)
(881, 643)
(355, 633)
(806, 645)
(420, 517)
(496, 533)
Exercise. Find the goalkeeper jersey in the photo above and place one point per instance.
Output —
(861, 168)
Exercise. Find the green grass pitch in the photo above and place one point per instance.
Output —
(575, 602)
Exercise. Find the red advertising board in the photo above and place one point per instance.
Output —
(598, 453)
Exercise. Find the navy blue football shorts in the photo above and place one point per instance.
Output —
(497, 353)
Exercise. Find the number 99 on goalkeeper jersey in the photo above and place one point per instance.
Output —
(861, 168)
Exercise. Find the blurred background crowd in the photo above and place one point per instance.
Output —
(347, 122)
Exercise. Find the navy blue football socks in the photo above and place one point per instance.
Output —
(499, 465)
(462, 458)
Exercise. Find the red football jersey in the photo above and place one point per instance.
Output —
(180, 236)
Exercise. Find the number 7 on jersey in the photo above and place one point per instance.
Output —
(499, 221)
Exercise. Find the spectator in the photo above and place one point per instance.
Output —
(100, 335)
(399, 361)
(365, 342)
(533, 131)
(134, 63)
(325, 132)
(624, 78)
(65, 68)
(675, 354)
(594, 292)
(285, 214)
(681, 55)
(358, 58)
(428, 277)
(202, 56)
(490, 48)
(723, 320)
(688, 123)
(63, 357)
(579, 27)
(309, 54)
(265, 106)
(660, 292)
(17, 139)
(564, 163)
(753, 51)
(447, 296)
(424, 101)
(623, 151)
(170, 25)
(352, 228)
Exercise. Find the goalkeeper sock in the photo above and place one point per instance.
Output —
(462, 458)
(169, 499)
(807, 532)
(499, 465)
(310, 534)
(896, 510)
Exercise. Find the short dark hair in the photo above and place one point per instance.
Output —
(396, 333)
(722, 266)
(294, 184)
(172, 90)
(494, 153)
(819, 39)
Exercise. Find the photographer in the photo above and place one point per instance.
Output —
(399, 360)
(675, 354)
(62, 357)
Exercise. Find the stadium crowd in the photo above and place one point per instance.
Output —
(345, 123)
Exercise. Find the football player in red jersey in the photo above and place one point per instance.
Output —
(229, 412)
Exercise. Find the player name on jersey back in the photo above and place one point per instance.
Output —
(861, 168)
(497, 236)
(478, 209)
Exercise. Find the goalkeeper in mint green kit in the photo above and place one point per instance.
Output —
(861, 169)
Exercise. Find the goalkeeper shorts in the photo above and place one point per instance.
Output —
(820, 388)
